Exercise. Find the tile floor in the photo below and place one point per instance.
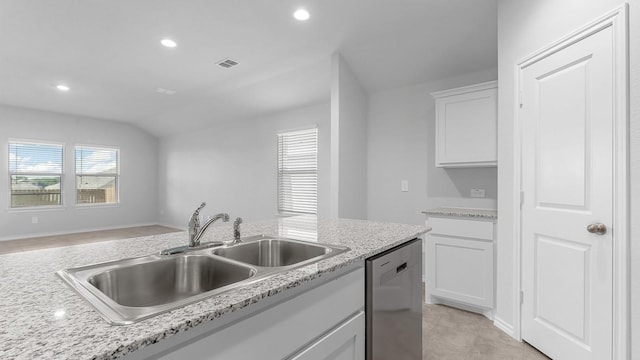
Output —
(452, 334)
(44, 242)
(447, 333)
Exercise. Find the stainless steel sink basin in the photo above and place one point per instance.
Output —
(130, 290)
(273, 252)
(167, 280)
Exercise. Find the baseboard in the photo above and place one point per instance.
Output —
(179, 227)
(488, 313)
(77, 231)
(504, 326)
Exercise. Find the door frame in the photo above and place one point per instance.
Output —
(617, 19)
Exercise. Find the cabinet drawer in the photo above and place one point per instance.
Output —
(462, 228)
(346, 341)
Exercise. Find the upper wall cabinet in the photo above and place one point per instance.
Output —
(466, 126)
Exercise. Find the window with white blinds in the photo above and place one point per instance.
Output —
(35, 174)
(298, 172)
(96, 175)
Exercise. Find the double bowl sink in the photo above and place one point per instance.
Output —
(130, 290)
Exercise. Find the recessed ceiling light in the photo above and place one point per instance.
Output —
(62, 87)
(168, 43)
(301, 14)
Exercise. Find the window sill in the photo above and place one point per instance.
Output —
(96, 206)
(33, 209)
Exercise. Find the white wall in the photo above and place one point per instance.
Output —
(401, 146)
(348, 142)
(138, 185)
(233, 166)
(523, 27)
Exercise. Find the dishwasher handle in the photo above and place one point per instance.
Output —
(401, 268)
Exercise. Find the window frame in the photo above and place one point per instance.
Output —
(289, 212)
(61, 174)
(116, 176)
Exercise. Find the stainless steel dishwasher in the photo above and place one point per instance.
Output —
(394, 303)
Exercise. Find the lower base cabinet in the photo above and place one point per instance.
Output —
(460, 270)
(325, 322)
(346, 342)
(459, 261)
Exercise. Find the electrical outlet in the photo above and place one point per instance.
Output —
(477, 193)
(404, 185)
(34, 219)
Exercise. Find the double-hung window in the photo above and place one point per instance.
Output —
(97, 173)
(35, 174)
(298, 172)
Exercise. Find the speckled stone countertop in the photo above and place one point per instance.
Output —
(488, 214)
(41, 318)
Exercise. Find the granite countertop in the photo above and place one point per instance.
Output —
(41, 318)
(489, 214)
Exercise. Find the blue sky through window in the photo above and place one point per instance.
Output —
(35, 158)
(31, 158)
(96, 161)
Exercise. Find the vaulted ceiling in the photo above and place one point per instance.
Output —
(109, 54)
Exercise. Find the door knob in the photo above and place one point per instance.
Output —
(597, 228)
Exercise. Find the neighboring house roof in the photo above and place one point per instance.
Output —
(25, 186)
(110, 171)
(95, 182)
(86, 182)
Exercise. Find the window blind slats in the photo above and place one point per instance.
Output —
(298, 171)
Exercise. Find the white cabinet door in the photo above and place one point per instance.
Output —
(460, 270)
(345, 342)
(466, 126)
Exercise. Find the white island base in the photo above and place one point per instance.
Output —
(320, 320)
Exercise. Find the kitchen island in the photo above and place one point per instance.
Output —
(43, 319)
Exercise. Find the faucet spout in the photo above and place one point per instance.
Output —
(203, 229)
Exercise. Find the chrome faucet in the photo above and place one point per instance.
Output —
(196, 231)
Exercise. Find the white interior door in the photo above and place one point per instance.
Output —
(567, 116)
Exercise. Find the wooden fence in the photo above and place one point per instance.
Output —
(26, 198)
(91, 196)
(29, 198)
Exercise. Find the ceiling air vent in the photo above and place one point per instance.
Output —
(165, 91)
(227, 63)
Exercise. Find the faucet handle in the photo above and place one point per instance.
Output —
(194, 224)
(194, 220)
(197, 212)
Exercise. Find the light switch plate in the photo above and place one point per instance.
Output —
(404, 185)
(477, 193)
